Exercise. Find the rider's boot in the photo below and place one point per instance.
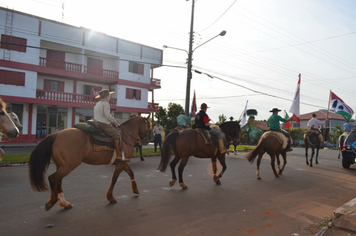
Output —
(222, 147)
(118, 151)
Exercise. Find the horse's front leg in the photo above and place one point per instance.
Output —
(182, 164)
(132, 177)
(273, 157)
(221, 158)
(120, 165)
(306, 153)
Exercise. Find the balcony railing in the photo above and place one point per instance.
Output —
(156, 83)
(152, 106)
(69, 97)
(60, 65)
(101, 72)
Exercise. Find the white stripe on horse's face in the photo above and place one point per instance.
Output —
(16, 120)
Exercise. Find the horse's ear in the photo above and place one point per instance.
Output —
(238, 121)
(148, 116)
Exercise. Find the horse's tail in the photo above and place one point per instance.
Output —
(251, 156)
(169, 141)
(39, 161)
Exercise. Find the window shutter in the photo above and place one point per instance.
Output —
(140, 69)
(61, 86)
(131, 66)
(47, 85)
(138, 94)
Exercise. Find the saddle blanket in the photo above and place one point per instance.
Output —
(281, 138)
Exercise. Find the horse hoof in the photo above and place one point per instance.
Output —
(136, 192)
(184, 186)
(218, 182)
(142, 159)
(216, 179)
(113, 200)
(68, 206)
(277, 176)
(258, 177)
(48, 206)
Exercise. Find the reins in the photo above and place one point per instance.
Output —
(137, 139)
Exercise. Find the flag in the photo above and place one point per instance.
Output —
(244, 116)
(193, 109)
(295, 105)
(339, 107)
(287, 124)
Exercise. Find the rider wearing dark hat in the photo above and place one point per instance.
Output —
(273, 124)
(231, 118)
(202, 121)
(106, 121)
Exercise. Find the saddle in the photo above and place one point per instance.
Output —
(96, 135)
(209, 139)
(281, 138)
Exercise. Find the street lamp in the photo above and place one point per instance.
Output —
(189, 67)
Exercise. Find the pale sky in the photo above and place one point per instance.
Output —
(267, 44)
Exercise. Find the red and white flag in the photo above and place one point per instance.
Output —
(193, 108)
(295, 105)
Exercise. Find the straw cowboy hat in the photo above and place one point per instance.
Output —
(274, 110)
(103, 93)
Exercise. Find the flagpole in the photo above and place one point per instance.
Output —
(327, 115)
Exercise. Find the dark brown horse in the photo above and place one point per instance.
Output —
(312, 140)
(274, 144)
(232, 133)
(139, 145)
(68, 148)
(190, 142)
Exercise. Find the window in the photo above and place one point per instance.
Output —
(53, 85)
(12, 78)
(13, 43)
(133, 94)
(135, 68)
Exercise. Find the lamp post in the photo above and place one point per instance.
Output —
(190, 56)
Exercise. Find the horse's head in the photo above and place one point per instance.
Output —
(232, 130)
(144, 128)
(16, 120)
(7, 127)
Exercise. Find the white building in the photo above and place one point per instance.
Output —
(51, 72)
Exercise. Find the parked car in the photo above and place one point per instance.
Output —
(329, 145)
(349, 150)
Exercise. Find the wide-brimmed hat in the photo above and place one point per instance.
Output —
(231, 118)
(274, 110)
(203, 106)
(314, 115)
(103, 93)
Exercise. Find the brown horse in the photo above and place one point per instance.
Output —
(7, 126)
(190, 142)
(144, 141)
(70, 147)
(312, 140)
(232, 133)
(273, 143)
(19, 126)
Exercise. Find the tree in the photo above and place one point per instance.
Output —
(161, 115)
(335, 134)
(297, 135)
(250, 133)
(173, 111)
(222, 119)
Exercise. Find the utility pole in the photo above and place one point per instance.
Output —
(190, 56)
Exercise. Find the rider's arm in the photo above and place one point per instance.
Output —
(206, 120)
(107, 114)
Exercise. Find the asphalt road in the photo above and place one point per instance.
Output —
(242, 205)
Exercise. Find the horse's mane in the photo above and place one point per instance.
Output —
(132, 118)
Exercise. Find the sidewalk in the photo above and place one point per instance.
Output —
(344, 222)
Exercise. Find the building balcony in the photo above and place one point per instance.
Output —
(153, 106)
(73, 67)
(82, 99)
(60, 65)
(155, 84)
